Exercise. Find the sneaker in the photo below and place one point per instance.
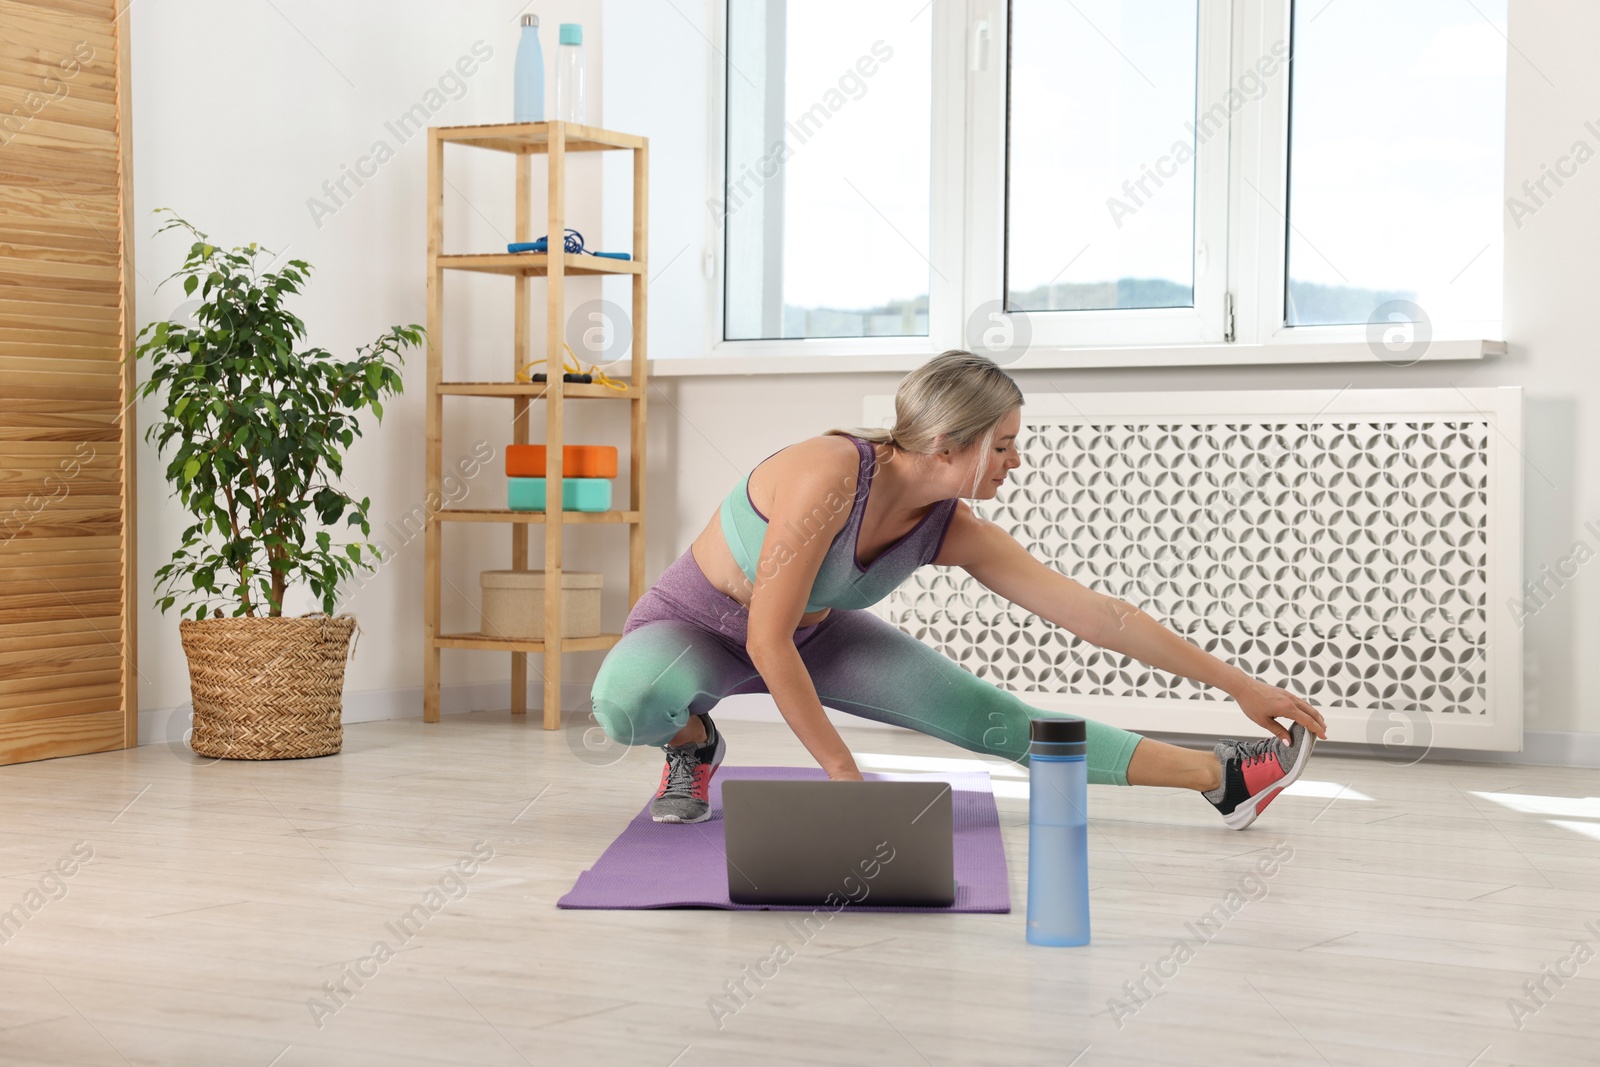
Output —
(685, 792)
(1255, 772)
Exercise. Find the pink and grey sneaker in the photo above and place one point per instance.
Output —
(685, 791)
(1255, 772)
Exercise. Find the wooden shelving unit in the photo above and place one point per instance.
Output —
(525, 140)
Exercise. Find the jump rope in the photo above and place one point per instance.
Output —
(573, 373)
(572, 242)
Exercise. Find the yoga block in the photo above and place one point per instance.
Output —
(577, 494)
(577, 461)
(513, 604)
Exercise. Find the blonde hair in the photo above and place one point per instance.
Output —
(954, 399)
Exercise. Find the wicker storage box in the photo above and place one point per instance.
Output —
(513, 604)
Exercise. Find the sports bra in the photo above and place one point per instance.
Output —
(842, 582)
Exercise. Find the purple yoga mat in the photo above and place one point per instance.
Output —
(677, 865)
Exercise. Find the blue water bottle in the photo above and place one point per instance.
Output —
(528, 77)
(1058, 832)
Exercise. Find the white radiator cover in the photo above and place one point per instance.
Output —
(1360, 548)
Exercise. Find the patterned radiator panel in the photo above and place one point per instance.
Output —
(1344, 559)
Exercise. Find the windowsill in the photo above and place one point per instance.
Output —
(869, 357)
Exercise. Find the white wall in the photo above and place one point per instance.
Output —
(247, 179)
(240, 114)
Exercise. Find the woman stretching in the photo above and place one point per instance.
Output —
(769, 599)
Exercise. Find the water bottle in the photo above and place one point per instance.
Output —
(569, 75)
(1058, 832)
(528, 79)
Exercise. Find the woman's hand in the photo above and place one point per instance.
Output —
(849, 774)
(1264, 704)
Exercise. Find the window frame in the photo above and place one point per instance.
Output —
(967, 236)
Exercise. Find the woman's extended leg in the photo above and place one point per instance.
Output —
(868, 667)
(1158, 763)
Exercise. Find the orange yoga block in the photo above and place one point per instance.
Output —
(577, 461)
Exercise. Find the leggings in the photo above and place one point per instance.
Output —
(683, 649)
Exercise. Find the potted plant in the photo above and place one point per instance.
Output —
(259, 428)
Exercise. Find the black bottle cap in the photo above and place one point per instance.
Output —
(1068, 729)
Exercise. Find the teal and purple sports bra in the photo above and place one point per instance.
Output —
(842, 582)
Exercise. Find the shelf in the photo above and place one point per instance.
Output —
(571, 390)
(523, 138)
(537, 264)
(514, 644)
(526, 141)
(568, 518)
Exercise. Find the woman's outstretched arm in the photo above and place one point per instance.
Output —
(1001, 563)
(1138, 635)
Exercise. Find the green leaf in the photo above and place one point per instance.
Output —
(260, 432)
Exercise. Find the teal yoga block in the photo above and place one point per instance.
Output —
(577, 494)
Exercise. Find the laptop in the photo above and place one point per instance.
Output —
(838, 843)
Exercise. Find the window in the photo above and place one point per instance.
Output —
(825, 215)
(1114, 188)
(1141, 181)
(1100, 201)
(1396, 150)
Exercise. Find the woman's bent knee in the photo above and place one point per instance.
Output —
(659, 674)
(632, 716)
(632, 710)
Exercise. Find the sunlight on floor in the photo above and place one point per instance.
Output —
(883, 761)
(1533, 804)
(1587, 829)
(1307, 788)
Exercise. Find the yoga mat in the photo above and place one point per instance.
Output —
(678, 865)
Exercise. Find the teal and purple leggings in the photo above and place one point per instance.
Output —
(682, 650)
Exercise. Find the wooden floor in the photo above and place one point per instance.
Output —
(221, 901)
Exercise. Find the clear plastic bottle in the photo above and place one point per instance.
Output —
(528, 74)
(1058, 832)
(569, 75)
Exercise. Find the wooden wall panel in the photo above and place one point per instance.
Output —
(68, 676)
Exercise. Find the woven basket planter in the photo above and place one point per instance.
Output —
(267, 688)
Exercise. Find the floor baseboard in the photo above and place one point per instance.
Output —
(159, 726)
(168, 725)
